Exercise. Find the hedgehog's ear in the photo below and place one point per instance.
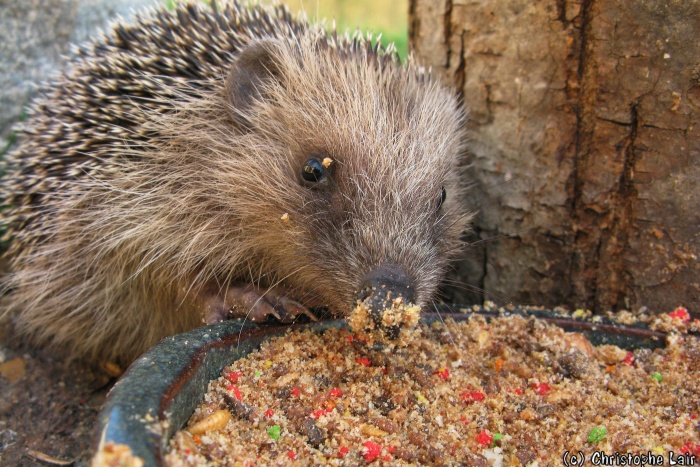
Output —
(257, 64)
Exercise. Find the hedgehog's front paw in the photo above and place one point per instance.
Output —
(253, 303)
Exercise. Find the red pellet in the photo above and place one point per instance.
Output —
(371, 451)
(484, 438)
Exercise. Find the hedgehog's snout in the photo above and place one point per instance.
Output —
(382, 287)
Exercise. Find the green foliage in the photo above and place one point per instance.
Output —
(400, 40)
(388, 17)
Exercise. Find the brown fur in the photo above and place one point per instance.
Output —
(141, 180)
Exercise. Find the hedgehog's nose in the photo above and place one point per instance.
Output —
(382, 286)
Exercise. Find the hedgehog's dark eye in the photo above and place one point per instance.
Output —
(313, 170)
(443, 195)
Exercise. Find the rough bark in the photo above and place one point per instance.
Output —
(586, 146)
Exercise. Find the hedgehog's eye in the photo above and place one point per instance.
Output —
(313, 170)
(443, 195)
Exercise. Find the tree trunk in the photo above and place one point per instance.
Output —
(585, 142)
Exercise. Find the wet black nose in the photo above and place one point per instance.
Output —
(381, 286)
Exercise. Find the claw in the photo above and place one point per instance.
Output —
(259, 312)
(291, 309)
(248, 301)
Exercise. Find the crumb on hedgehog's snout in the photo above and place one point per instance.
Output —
(397, 324)
(385, 307)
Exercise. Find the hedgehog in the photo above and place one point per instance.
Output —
(229, 161)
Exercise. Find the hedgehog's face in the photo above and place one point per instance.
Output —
(358, 172)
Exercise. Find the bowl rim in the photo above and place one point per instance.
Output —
(159, 391)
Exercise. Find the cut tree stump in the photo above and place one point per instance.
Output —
(585, 143)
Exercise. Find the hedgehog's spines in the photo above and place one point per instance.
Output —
(110, 215)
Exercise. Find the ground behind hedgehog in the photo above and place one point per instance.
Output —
(48, 406)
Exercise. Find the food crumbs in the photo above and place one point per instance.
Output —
(476, 408)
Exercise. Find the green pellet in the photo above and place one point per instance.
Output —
(597, 434)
